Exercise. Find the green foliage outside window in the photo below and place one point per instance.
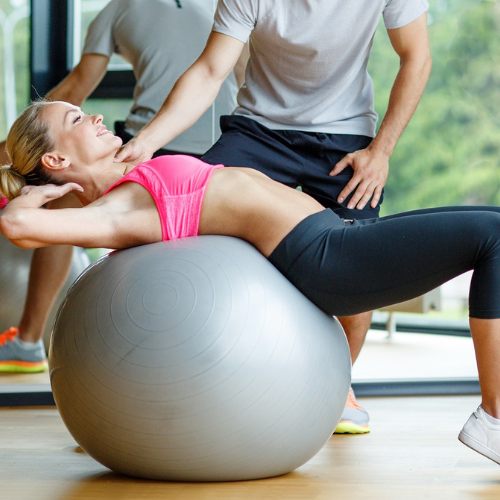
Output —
(450, 152)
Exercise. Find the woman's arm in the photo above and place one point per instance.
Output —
(124, 218)
(28, 225)
(38, 227)
(81, 81)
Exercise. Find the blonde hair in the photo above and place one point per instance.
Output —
(28, 140)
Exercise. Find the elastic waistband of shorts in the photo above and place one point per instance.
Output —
(344, 141)
(302, 235)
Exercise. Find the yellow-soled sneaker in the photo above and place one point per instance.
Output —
(17, 356)
(354, 419)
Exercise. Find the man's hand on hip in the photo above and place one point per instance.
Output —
(371, 169)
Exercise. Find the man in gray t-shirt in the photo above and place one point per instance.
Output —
(305, 114)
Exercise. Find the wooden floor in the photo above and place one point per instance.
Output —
(412, 453)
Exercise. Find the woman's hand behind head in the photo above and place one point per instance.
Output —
(37, 196)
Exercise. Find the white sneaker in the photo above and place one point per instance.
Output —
(481, 435)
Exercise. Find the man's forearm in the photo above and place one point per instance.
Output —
(75, 87)
(81, 80)
(405, 95)
(190, 97)
(67, 91)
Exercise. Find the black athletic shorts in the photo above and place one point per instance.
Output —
(291, 157)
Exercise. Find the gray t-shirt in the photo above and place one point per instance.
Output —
(308, 59)
(160, 41)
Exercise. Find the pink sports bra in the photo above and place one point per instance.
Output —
(177, 185)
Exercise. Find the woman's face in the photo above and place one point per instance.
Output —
(84, 139)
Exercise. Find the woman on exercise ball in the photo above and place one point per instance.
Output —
(345, 267)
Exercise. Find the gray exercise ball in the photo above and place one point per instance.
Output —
(196, 360)
(14, 275)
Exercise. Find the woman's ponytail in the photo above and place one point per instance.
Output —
(11, 182)
(28, 140)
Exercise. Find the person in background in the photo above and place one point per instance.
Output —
(305, 114)
(160, 40)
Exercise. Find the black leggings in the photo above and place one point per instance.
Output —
(348, 267)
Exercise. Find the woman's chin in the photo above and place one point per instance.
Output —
(118, 140)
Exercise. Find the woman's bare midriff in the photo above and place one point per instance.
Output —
(247, 204)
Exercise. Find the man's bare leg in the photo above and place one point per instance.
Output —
(355, 419)
(21, 348)
(356, 327)
(49, 270)
(481, 432)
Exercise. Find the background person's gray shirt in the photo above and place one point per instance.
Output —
(160, 41)
(308, 59)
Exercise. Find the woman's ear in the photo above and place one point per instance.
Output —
(55, 161)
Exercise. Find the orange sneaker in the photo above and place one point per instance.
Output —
(17, 356)
(354, 419)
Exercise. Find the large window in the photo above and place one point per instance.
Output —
(450, 153)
